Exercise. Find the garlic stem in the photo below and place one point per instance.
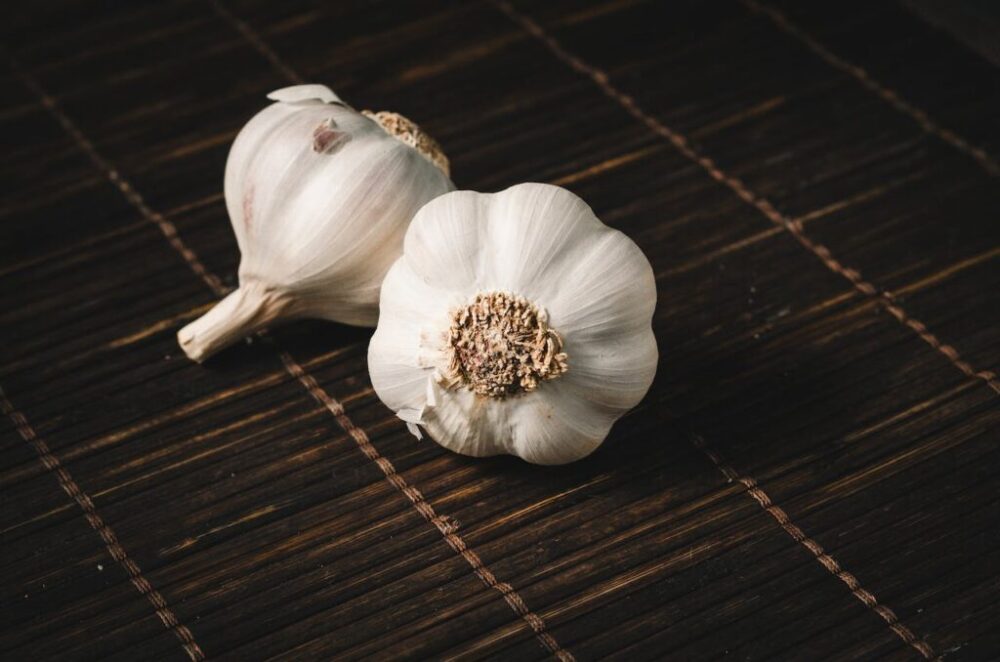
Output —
(241, 314)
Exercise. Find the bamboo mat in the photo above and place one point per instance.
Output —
(813, 474)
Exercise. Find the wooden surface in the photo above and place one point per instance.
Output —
(813, 474)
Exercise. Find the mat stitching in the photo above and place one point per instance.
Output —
(97, 523)
(884, 92)
(259, 44)
(168, 229)
(795, 227)
(822, 557)
(445, 525)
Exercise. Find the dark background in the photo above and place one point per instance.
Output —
(812, 475)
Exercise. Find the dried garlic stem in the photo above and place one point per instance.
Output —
(408, 133)
(501, 345)
(241, 314)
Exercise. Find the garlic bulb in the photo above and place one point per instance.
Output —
(319, 197)
(515, 323)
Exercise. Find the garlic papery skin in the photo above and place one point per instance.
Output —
(319, 196)
(515, 323)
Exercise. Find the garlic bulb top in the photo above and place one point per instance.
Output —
(515, 323)
(319, 196)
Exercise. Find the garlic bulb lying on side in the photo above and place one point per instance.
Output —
(515, 323)
(320, 197)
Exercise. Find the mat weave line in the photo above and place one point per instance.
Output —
(107, 534)
(828, 562)
(884, 92)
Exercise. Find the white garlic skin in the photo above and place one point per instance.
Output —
(545, 244)
(319, 197)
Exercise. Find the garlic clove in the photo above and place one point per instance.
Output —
(464, 424)
(407, 351)
(612, 370)
(446, 249)
(594, 280)
(319, 196)
(586, 283)
(556, 428)
(537, 233)
(559, 428)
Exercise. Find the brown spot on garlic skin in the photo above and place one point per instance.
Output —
(327, 139)
(501, 345)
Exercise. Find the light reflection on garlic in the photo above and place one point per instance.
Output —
(319, 196)
(515, 323)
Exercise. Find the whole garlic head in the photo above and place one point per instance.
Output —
(515, 323)
(319, 196)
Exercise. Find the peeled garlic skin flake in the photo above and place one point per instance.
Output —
(515, 323)
(319, 196)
